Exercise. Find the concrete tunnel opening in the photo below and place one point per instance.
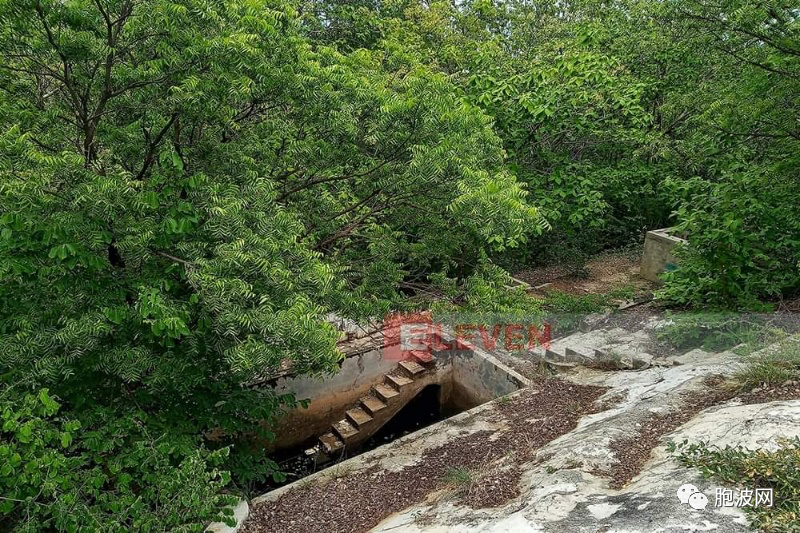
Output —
(374, 400)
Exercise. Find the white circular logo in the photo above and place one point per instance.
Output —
(698, 501)
(685, 492)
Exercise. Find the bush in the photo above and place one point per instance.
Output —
(743, 244)
(748, 469)
(126, 474)
(179, 211)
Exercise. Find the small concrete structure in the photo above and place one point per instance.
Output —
(331, 396)
(657, 255)
(466, 377)
(566, 487)
(479, 377)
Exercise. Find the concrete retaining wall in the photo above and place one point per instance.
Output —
(467, 379)
(330, 397)
(479, 377)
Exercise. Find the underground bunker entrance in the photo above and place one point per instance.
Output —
(428, 407)
(453, 385)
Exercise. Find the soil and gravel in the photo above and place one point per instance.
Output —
(634, 451)
(601, 275)
(786, 391)
(359, 501)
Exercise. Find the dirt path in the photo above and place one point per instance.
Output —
(603, 274)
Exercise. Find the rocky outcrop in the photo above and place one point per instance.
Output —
(609, 472)
(569, 489)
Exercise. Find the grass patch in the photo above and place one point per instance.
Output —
(748, 469)
(562, 302)
(765, 337)
(779, 470)
(719, 331)
(565, 311)
(460, 480)
(774, 368)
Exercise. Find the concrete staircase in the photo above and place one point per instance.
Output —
(613, 348)
(379, 406)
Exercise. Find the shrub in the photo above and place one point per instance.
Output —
(743, 244)
(187, 188)
(126, 474)
(779, 470)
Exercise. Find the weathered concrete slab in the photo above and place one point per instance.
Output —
(657, 254)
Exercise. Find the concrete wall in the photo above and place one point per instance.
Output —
(330, 396)
(657, 255)
(479, 377)
(467, 379)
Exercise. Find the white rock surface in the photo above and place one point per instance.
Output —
(565, 492)
(574, 500)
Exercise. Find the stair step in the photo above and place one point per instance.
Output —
(412, 368)
(385, 392)
(550, 354)
(344, 429)
(372, 405)
(358, 417)
(560, 364)
(569, 353)
(423, 357)
(398, 382)
(330, 443)
(434, 341)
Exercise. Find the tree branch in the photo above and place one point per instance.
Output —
(153, 145)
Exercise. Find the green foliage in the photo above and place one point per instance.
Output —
(187, 187)
(562, 302)
(459, 476)
(60, 475)
(634, 115)
(737, 196)
(744, 243)
(489, 289)
(461, 481)
(778, 470)
(773, 368)
(714, 331)
(572, 117)
(750, 469)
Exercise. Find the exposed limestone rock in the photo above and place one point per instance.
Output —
(569, 485)
(568, 491)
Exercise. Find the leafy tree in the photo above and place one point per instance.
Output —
(739, 207)
(186, 188)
